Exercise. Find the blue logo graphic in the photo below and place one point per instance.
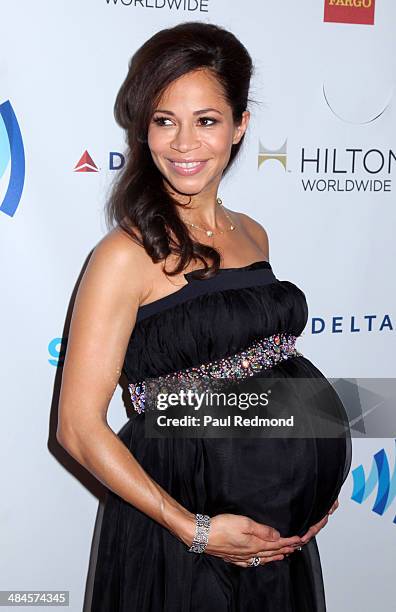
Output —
(379, 476)
(56, 350)
(12, 159)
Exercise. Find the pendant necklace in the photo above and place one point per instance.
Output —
(211, 232)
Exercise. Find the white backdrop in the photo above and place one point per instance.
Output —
(321, 86)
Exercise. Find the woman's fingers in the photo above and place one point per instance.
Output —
(273, 550)
(312, 531)
(263, 561)
(263, 554)
(284, 550)
(264, 558)
(275, 545)
(334, 506)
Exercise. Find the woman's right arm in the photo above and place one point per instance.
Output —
(103, 318)
(104, 314)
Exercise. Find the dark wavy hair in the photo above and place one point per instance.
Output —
(138, 196)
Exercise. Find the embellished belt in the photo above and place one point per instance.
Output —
(261, 354)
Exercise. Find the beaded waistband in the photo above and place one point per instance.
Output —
(262, 354)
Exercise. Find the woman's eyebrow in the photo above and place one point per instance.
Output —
(198, 112)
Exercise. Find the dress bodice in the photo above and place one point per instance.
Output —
(212, 318)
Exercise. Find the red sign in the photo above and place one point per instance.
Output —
(350, 11)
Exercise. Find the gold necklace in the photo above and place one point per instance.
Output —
(210, 232)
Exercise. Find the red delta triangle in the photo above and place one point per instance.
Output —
(86, 164)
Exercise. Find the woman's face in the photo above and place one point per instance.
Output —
(193, 123)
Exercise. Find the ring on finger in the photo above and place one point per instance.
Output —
(254, 561)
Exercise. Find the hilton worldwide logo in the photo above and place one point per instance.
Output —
(335, 169)
(279, 155)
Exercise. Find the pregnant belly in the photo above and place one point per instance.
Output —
(289, 484)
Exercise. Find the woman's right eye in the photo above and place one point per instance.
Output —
(159, 120)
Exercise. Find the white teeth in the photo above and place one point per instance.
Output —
(185, 165)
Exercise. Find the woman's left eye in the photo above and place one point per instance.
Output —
(209, 119)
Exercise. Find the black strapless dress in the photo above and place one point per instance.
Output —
(287, 483)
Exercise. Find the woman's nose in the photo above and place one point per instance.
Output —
(185, 139)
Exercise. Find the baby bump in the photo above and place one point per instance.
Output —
(287, 483)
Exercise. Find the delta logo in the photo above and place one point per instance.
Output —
(350, 11)
(12, 160)
(86, 163)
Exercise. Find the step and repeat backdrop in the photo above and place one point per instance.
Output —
(317, 170)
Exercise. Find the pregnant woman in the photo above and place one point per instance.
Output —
(181, 284)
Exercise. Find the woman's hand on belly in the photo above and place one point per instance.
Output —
(314, 530)
(334, 506)
(237, 538)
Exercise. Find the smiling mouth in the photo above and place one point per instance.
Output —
(187, 168)
(192, 164)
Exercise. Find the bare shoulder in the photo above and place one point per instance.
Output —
(121, 262)
(255, 230)
(117, 244)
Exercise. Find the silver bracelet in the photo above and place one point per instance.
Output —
(202, 527)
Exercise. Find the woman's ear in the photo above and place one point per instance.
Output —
(241, 128)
